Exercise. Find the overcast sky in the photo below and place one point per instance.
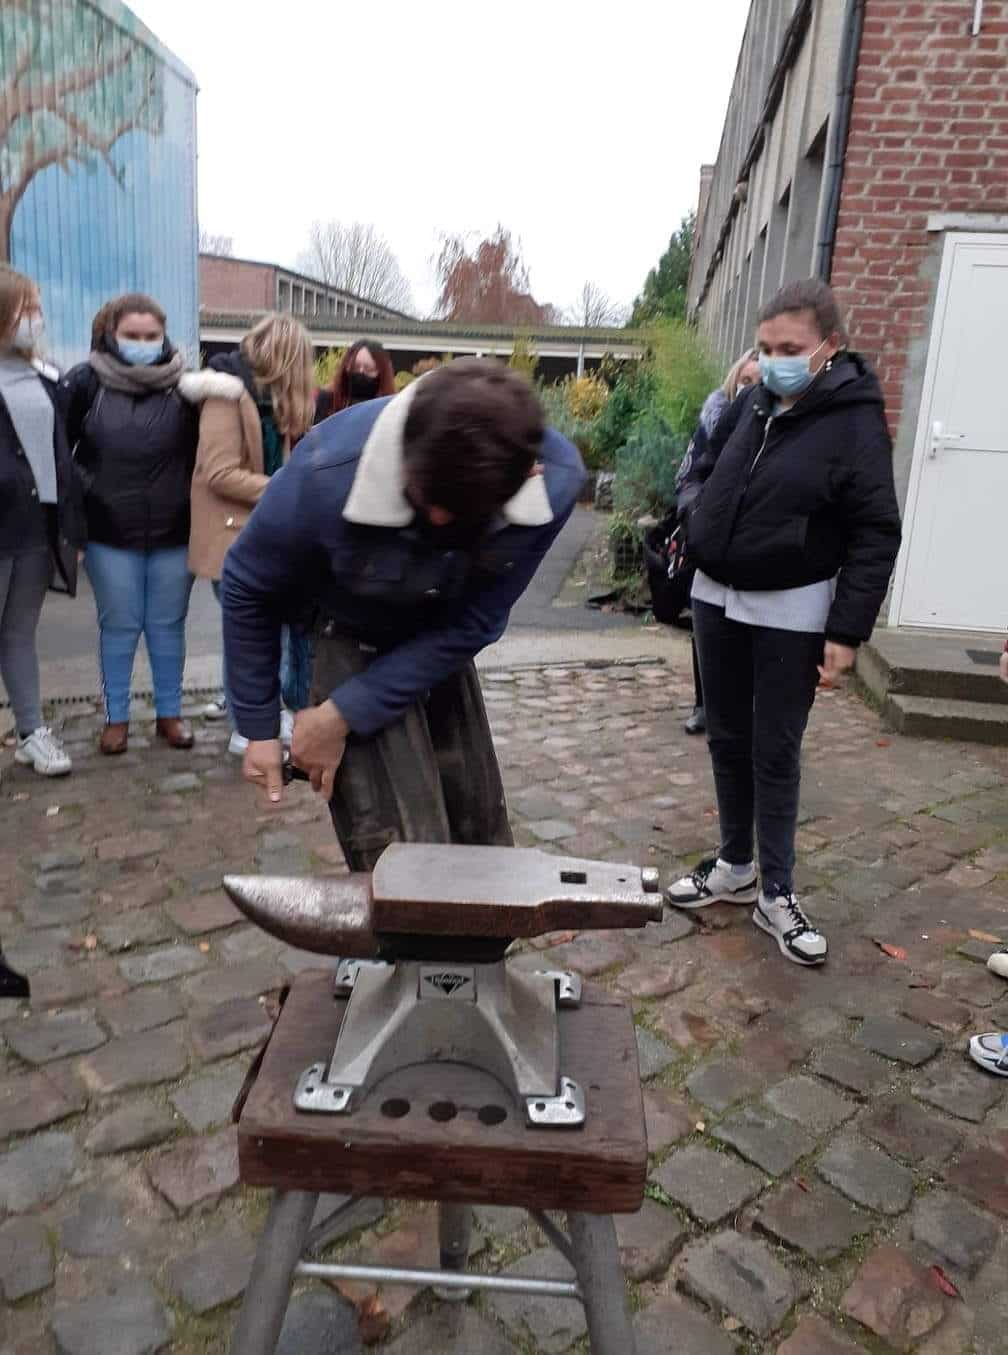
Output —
(581, 127)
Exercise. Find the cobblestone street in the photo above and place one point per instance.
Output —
(829, 1173)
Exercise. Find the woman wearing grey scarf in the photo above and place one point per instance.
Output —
(41, 522)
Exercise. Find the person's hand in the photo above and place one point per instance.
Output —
(1004, 666)
(837, 660)
(263, 766)
(318, 745)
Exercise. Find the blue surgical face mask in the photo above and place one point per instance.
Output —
(788, 377)
(140, 352)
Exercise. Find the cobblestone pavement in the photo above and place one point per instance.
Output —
(829, 1175)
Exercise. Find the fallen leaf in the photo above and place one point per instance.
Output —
(944, 1283)
(887, 948)
(802, 1185)
(204, 947)
(373, 1320)
(985, 936)
(883, 743)
(700, 1126)
(90, 941)
(731, 1324)
(21, 795)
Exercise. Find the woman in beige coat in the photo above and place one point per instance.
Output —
(244, 438)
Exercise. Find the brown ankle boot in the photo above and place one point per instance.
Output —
(114, 739)
(175, 732)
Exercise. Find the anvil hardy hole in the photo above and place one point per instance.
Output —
(569, 1105)
(491, 1114)
(396, 1108)
(443, 1111)
(573, 877)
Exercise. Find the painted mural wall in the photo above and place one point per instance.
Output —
(97, 166)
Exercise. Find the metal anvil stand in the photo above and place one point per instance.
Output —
(425, 993)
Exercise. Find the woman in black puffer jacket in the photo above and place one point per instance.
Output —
(792, 521)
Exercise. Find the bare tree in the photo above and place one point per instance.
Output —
(488, 283)
(356, 258)
(593, 309)
(216, 244)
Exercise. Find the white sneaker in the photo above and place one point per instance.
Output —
(237, 744)
(215, 710)
(712, 881)
(991, 1052)
(286, 726)
(998, 963)
(782, 918)
(43, 751)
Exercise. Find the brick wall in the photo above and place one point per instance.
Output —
(233, 284)
(929, 133)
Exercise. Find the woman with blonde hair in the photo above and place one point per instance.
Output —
(41, 517)
(245, 436)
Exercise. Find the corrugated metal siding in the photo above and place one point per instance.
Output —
(97, 166)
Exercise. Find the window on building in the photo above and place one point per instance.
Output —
(283, 295)
(775, 245)
(803, 215)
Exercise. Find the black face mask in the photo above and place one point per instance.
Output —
(362, 387)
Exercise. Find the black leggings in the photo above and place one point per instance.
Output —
(697, 681)
(759, 685)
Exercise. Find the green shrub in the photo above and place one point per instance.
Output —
(403, 379)
(684, 373)
(646, 467)
(325, 366)
(630, 398)
(524, 359)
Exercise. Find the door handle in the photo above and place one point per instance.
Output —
(940, 438)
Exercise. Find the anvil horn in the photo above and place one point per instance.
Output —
(328, 916)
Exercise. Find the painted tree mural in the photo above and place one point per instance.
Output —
(71, 84)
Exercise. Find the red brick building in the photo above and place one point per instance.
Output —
(228, 284)
(866, 142)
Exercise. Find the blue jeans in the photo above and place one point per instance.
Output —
(296, 661)
(136, 593)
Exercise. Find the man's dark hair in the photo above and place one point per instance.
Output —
(473, 433)
(807, 294)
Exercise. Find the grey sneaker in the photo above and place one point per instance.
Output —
(780, 916)
(711, 882)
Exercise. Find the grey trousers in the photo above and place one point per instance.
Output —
(431, 776)
(24, 580)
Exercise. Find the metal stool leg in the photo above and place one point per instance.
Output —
(454, 1232)
(600, 1275)
(269, 1286)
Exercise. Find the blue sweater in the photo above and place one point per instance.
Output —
(425, 605)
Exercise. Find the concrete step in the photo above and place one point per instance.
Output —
(889, 666)
(933, 717)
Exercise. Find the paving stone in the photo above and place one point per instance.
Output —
(361, 1214)
(815, 1220)
(157, 965)
(215, 1273)
(588, 955)
(60, 909)
(141, 1060)
(954, 1231)
(239, 1024)
(673, 927)
(902, 1128)
(54, 1035)
(931, 1009)
(63, 858)
(895, 1298)
(709, 1184)
(32, 1101)
(977, 951)
(667, 1118)
(26, 1265)
(719, 1085)
(961, 1093)
(739, 1275)
(554, 1324)
(449, 1328)
(654, 1054)
(141, 927)
(898, 1039)
(651, 979)
(233, 981)
(198, 1171)
(648, 1240)
(810, 1104)
(180, 784)
(126, 1319)
(772, 1143)
(38, 950)
(96, 1227)
(203, 913)
(132, 845)
(140, 1124)
(977, 986)
(208, 1100)
(852, 1068)
(669, 1325)
(866, 1176)
(552, 830)
(36, 1171)
(813, 1336)
(954, 1335)
(145, 1009)
(981, 1173)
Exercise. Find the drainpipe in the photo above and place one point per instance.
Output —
(850, 51)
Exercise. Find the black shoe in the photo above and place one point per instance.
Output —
(12, 984)
(697, 722)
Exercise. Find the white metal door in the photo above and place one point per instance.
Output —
(953, 572)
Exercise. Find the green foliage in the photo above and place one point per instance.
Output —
(664, 290)
(629, 399)
(403, 379)
(684, 373)
(646, 467)
(524, 359)
(558, 415)
(325, 366)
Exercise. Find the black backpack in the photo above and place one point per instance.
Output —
(669, 572)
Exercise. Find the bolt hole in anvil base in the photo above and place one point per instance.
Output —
(442, 1112)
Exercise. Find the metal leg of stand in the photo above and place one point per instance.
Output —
(600, 1275)
(454, 1233)
(269, 1286)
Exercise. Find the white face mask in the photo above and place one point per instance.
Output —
(29, 332)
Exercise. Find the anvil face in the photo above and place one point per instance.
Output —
(440, 899)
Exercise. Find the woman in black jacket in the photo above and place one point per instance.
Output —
(135, 436)
(792, 521)
(41, 523)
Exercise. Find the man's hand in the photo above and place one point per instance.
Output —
(263, 766)
(837, 660)
(1004, 666)
(318, 744)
